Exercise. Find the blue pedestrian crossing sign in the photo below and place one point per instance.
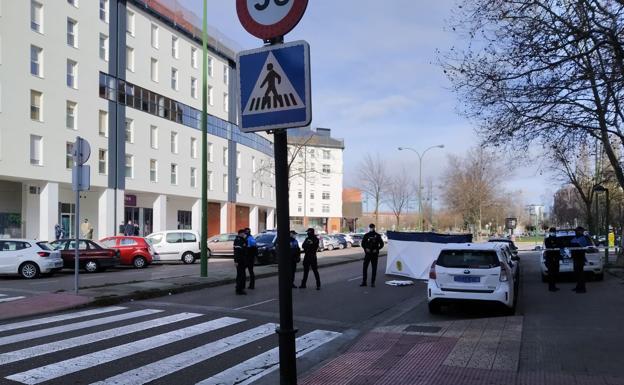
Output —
(274, 87)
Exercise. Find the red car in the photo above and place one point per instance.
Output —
(133, 251)
(92, 256)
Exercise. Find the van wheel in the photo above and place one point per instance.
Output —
(29, 270)
(188, 258)
(139, 263)
(434, 308)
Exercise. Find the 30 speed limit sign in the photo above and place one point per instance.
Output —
(268, 19)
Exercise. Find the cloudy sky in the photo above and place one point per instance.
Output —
(375, 82)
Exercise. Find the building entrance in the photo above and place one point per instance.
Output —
(141, 218)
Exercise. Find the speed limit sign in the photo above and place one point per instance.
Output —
(268, 19)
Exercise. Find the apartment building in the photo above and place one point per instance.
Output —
(316, 179)
(126, 76)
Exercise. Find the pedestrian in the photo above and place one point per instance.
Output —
(310, 247)
(240, 250)
(136, 230)
(129, 229)
(250, 257)
(295, 255)
(578, 244)
(552, 256)
(86, 229)
(371, 243)
(58, 232)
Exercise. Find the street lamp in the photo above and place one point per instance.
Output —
(420, 158)
(600, 188)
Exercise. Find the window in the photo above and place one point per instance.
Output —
(129, 166)
(326, 154)
(210, 185)
(299, 209)
(36, 150)
(154, 70)
(130, 59)
(73, 2)
(209, 65)
(226, 74)
(103, 47)
(311, 209)
(326, 169)
(300, 194)
(72, 74)
(210, 98)
(238, 159)
(226, 102)
(193, 57)
(69, 158)
(238, 185)
(253, 164)
(174, 142)
(104, 10)
(36, 57)
(153, 170)
(70, 116)
(311, 194)
(154, 137)
(72, 33)
(174, 78)
(209, 152)
(253, 189)
(325, 195)
(312, 167)
(225, 156)
(36, 16)
(194, 88)
(225, 183)
(325, 209)
(36, 100)
(154, 36)
(312, 153)
(174, 46)
(129, 131)
(194, 148)
(193, 177)
(103, 123)
(130, 22)
(102, 161)
(174, 174)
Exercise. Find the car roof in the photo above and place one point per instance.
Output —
(20, 240)
(474, 246)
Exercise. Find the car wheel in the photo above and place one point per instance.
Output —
(349, 244)
(330, 247)
(139, 263)
(188, 258)
(599, 277)
(91, 266)
(29, 270)
(341, 246)
(434, 308)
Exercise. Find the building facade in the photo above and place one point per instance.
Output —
(316, 178)
(126, 76)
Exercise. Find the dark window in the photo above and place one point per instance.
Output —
(184, 220)
(468, 259)
(13, 245)
(189, 237)
(128, 242)
(174, 238)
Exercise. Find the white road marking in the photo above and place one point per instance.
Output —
(256, 304)
(56, 318)
(183, 360)
(74, 326)
(354, 279)
(11, 299)
(259, 366)
(35, 351)
(63, 368)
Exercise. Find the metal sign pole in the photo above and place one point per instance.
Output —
(77, 237)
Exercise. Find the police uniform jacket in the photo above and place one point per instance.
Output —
(372, 243)
(240, 249)
(295, 251)
(310, 246)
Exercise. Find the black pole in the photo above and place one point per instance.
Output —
(607, 226)
(286, 330)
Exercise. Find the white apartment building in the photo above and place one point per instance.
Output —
(126, 76)
(316, 180)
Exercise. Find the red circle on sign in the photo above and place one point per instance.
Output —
(267, 32)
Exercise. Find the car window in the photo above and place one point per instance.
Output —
(127, 242)
(189, 237)
(231, 238)
(174, 238)
(57, 245)
(474, 259)
(13, 245)
(265, 238)
(155, 239)
(82, 245)
(44, 246)
(109, 242)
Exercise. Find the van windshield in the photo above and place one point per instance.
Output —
(473, 259)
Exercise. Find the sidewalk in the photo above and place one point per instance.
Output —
(112, 294)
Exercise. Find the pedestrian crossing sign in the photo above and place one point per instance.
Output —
(274, 87)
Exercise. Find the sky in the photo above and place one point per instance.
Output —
(377, 85)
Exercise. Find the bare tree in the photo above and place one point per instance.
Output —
(400, 192)
(374, 179)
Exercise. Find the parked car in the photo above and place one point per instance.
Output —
(347, 238)
(594, 265)
(175, 245)
(512, 245)
(221, 245)
(28, 258)
(92, 256)
(266, 243)
(330, 242)
(357, 239)
(133, 251)
(342, 241)
(477, 272)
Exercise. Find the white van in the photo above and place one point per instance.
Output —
(175, 245)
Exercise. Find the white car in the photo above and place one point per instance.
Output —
(28, 258)
(594, 265)
(175, 245)
(474, 272)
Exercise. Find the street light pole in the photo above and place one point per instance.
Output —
(420, 158)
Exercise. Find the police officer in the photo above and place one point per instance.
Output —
(552, 255)
(250, 257)
(240, 251)
(578, 244)
(295, 255)
(371, 243)
(310, 247)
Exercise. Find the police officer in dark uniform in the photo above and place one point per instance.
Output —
(240, 253)
(371, 243)
(552, 255)
(250, 257)
(295, 255)
(310, 247)
(578, 244)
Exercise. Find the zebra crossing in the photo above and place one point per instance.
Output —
(100, 346)
(4, 298)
